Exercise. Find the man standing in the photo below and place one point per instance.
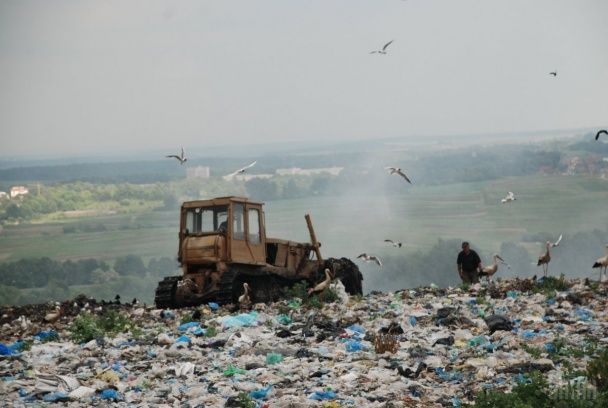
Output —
(469, 264)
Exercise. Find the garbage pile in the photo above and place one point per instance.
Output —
(426, 347)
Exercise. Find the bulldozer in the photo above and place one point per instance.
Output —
(223, 244)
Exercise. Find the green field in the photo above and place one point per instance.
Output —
(350, 224)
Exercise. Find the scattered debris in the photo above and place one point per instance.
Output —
(433, 347)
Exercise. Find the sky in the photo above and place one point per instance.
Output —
(80, 77)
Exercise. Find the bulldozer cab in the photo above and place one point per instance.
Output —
(225, 229)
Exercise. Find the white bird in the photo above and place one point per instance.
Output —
(182, 159)
(393, 243)
(320, 288)
(398, 171)
(244, 299)
(602, 263)
(490, 270)
(370, 258)
(242, 169)
(383, 50)
(510, 197)
(556, 243)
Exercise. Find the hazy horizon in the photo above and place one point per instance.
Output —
(86, 77)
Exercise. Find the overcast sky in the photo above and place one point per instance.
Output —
(94, 76)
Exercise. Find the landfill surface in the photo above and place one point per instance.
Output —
(427, 347)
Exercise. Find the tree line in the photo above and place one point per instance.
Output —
(40, 272)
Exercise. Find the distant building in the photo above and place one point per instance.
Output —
(573, 165)
(296, 171)
(247, 177)
(198, 172)
(18, 190)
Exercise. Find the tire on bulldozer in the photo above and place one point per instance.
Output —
(348, 273)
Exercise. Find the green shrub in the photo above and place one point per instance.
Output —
(597, 371)
(87, 327)
(245, 401)
(84, 328)
(211, 332)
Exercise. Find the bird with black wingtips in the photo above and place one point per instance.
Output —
(597, 135)
(554, 73)
(556, 243)
(602, 263)
(241, 170)
(490, 270)
(398, 171)
(383, 50)
(181, 158)
(370, 258)
(396, 244)
(509, 198)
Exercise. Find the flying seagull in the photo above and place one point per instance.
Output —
(182, 159)
(370, 258)
(556, 243)
(393, 243)
(597, 135)
(510, 197)
(554, 73)
(383, 50)
(242, 169)
(397, 170)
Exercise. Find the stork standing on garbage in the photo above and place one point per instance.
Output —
(469, 264)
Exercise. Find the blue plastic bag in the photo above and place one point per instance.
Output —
(183, 339)
(46, 335)
(262, 393)
(56, 396)
(413, 321)
(353, 345)
(7, 351)
(322, 395)
(199, 331)
(240, 320)
(110, 394)
(213, 306)
(356, 328)
(186, 326)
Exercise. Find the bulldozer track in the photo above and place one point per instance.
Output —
(225, 294)
(165, 292)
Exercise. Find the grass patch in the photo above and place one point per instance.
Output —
(300, 290)
(535, 392)
(597, 371)
(87, 327)
(245, 401)
(535, 352)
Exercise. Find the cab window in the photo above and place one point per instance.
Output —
(254, 226)
(238, 225)
(206, 220)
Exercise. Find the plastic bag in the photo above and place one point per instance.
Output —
(273, 358)
(284, 319)
(186, 326)
(213, 306)
(110, 394)
(262, 393)
(241, 320)
(322, 395)
(353, 345)
(232, 370)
